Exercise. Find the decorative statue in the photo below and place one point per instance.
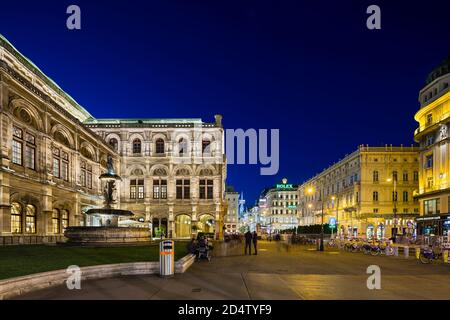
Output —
(110, 166)
(108, 192)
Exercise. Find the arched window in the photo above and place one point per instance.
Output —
(136, 146)
(182, 145)
(64, 219)
(16, 217)
(56, 221)
(206, 147)
(159, 146)
(113, 143)
(30, 219)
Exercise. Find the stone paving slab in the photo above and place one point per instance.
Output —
(298, 273)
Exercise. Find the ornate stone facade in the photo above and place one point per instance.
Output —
(359, 192)
(51, 157)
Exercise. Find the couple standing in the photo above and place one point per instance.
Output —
(249, 238)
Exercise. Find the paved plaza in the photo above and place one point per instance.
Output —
(277, 272)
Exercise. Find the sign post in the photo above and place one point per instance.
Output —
(332, 225)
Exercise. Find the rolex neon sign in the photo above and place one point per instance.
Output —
(284, 186)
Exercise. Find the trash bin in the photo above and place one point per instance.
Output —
(166, 258)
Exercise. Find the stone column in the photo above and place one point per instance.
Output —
(44, 220)
(5, 206)
(194, 221)
(218, 224)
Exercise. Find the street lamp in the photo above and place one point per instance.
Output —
(337, 213)
(310, 191)
(394, 199)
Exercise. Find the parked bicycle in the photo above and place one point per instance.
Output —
(430, 254)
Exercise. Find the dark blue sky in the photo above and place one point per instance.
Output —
(310, 68)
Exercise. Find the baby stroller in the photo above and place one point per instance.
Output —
(203, 251)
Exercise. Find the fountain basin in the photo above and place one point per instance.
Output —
(106, 236)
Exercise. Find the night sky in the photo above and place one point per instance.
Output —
(309, 68)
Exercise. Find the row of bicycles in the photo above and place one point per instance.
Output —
(374, 248)
(429, 253)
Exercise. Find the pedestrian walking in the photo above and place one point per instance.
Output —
(255, 240)
(248, 242)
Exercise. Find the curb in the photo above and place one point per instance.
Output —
(13, 287)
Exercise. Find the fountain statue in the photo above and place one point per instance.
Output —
(103, 228)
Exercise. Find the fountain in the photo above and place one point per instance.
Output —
(107, 232)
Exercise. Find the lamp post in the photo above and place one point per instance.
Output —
(394, 199)
(337, 214)
(310, 191)
(321, 226)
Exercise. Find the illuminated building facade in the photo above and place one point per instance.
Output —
(369, 192)
(231, 218)
(432, 135)
(53, 151)
(279, 210)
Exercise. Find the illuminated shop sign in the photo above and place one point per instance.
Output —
(284, 186)
(292, 207)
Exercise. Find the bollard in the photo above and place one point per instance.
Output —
(445, 256)
(406, 251)
(417, 253)
(395, 251)
(166, 258)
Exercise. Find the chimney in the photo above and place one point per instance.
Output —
(218, 118)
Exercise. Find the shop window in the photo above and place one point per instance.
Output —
(432, 206)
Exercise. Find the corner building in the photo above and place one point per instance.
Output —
(432, 135)
(52, 151)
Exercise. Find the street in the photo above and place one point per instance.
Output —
(277, 272)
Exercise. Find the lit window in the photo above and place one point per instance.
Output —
(64, 219)
(159, 189)
(16, 217)
(30, 222)
(56, 221)
(137, 189)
